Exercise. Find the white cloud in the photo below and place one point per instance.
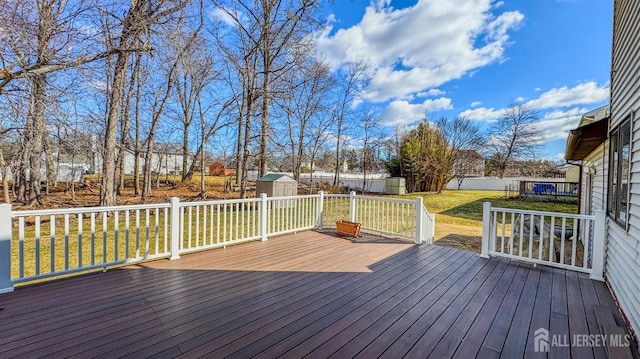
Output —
(401, 112)
(476, 103)
(422, 46)
(482, 114)
(581, 94)
(557, 124)
(224, 16)
(431, 92)
(556, 99)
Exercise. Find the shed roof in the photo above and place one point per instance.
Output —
(272, 177)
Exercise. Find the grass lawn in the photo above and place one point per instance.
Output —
(459, 213)
(465, 207)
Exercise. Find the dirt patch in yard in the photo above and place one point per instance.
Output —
(460, 237)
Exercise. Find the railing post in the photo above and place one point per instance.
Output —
(352, 206)
(320, 209)
(433, 229)
(5, 248)
(599, 245)
(419, 223)
(486, 229)
(175, 228)
(263, 216)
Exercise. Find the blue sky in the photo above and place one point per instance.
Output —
(472, 58)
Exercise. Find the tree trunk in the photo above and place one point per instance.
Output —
(264, 135)
(239, 142)
(124, 132)
(185, 150)
(53, 167)
(36, 116)
(107, 184)
(5, 181)
(245, 148)
(136, 151)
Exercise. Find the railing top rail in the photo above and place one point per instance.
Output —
(384, 199)
(218, 201)
(293, 197)
(542, 213)
(47, 212)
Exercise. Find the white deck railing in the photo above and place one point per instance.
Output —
(563, 240)
(44, 243)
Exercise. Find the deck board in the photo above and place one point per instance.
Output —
(308, 294)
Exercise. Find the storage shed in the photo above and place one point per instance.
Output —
(395, 185)
(276, 185)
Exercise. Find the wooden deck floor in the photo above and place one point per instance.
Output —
(307, 295)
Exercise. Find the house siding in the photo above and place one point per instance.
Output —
(595, 165)
(623, 249)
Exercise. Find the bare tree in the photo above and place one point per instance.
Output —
(513, 137)
(371, 138)
(55, 39)
(463, 139)
(272, 28)
(349, 88)
(305, 108)
(136, 24)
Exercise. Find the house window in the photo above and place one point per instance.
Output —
(619, 160)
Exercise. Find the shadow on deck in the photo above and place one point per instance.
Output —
(311, 294)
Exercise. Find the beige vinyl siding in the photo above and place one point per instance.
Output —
(595, 163)
(623, 244)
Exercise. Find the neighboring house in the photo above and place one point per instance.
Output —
(218, 169)
(611, 164)
(470, 164)
(164, 161)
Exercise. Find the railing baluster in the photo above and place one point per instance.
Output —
(181, 229)
(137, 233)
(531, 228)
(52, 243)
(189, 240)
(104, 237)
(116, 249)
(157, 229)
(204, 225)
(218, 223)
(552, 241)
(79, 240)
(166, 229)
(574, 239)
(21, 246)
(511, 234)
(224, 223)
(211, 224)
(237, 222)
(127, 218)
(541, 239)
(37, 245)
(242, 218)
(504, 227)
(93, 238)
(586, 251)
(197, 209)
(562, 239)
